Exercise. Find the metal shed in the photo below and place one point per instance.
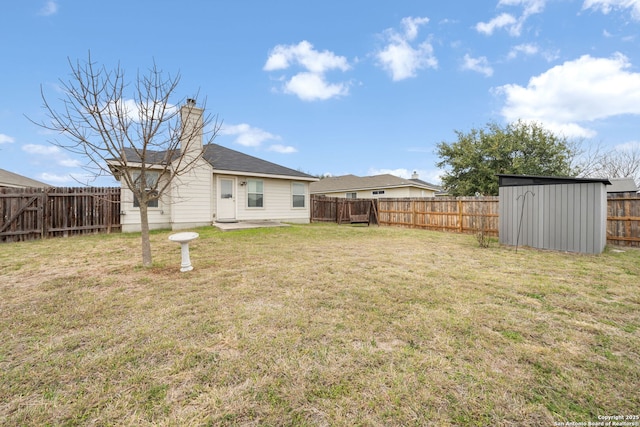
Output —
(558, 213)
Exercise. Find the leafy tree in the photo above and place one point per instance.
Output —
(131, 131)
(523, 148)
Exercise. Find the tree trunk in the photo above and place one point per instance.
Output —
(144, 235)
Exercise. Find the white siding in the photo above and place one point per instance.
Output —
(191, 195)
(159, 218)
(278, 202)
(391, 193)
(193, 198)
(419, 192)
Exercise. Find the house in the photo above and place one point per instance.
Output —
(224, 185)
(373, 187)
(10, 179)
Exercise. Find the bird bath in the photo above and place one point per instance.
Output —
(184, 238)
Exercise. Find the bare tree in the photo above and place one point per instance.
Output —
(140, 137)
(622, 162)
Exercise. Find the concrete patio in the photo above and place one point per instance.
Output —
(244, 225)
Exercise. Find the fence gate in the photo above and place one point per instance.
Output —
(22, 215)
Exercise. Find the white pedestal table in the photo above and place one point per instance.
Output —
(184, 238)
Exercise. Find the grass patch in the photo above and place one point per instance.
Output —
(315, 325)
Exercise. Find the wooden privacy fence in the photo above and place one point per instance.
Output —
(461, 214)
(36, 213)
(623, 220)
(467, 214)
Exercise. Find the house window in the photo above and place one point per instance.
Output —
(152, 203)
(151, 182)
(351, 195)
(378, 192)
(255, 193)
(298, 194)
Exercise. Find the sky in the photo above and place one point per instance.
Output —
(333, 87)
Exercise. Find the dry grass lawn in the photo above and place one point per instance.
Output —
(318, 325)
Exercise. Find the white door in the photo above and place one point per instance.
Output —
(226, 198)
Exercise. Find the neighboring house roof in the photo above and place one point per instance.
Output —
(10, 179)
(354, 183)
(228, 160)
(622, 185)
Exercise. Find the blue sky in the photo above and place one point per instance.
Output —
(335, 87)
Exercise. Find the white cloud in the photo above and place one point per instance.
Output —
(53, 154)
(49, 8)
(85, 179)
(54, 178)
(411, 26)
(567, 96)
(282, 149)
(6, 139)
(480, 65)
(529, 49)
(43, 150)
(311, 87)
(70, 163)
(402, 59)
(500, 21)
(606, 6)
(311, 83)
(303, 54)
(628, 146)
(246, 135)
(525, 49)
(137, 111)
(530, 6)
(506, 20)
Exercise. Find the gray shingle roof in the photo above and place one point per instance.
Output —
(10, 179)
(222, 158)
(622, 185)
(353, 183)
(226, 159)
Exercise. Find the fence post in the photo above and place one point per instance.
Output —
(460, 226)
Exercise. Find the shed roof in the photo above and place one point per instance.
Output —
(11, 179)
(508, 180)
(354, 183)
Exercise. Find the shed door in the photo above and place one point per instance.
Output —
(226, 198)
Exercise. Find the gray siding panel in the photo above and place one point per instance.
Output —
(580, 213)
(566, 217)
(590, 231)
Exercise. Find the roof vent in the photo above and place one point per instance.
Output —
(191, 102)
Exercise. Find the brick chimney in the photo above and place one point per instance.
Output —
(191, 140)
